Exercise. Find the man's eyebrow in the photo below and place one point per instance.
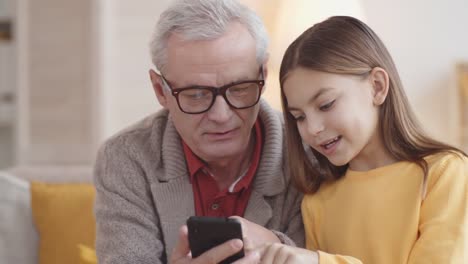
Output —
(321, 91)
(237, 80)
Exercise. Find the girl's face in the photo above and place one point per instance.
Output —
(337, 115)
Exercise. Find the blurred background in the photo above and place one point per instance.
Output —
(74, 72)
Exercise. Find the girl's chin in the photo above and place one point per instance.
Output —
(333, 159)
(338, 163)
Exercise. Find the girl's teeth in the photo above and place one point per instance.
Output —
(328, 145)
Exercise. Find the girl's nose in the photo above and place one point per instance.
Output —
(315, 127)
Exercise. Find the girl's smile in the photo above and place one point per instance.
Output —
(330, 145)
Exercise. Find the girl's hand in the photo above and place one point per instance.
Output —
(282, 254)
(254, 235)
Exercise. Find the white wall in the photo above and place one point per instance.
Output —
(426, 39)
(7, 88)
(7, 107)
(126, 92)
(54, 108)
(123, 56)
(285, 20)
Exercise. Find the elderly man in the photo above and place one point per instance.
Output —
(215, 149)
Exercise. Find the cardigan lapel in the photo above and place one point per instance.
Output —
(258, 210)
(173, 195)
(269, 179)
(174, 202)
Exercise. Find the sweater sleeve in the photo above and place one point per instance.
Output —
(126, 223)
(443, 216)
(325, 258)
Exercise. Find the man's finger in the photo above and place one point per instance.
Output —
(220, 252)
(182, 248)
(252, 257)
(268, 252)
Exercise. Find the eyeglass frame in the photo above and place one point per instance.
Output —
(215, 91)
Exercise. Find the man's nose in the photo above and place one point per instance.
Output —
(220, 111)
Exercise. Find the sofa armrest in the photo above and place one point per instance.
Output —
(18, 236)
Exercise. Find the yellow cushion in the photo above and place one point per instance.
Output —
(87, 255)
(64, 217)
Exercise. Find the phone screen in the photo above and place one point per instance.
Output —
(205, 233)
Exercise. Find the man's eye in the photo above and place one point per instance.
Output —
(327, 106)
(196, 94)
(239, 90)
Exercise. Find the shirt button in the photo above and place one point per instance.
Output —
(214, 206)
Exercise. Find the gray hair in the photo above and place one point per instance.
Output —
(204, 20)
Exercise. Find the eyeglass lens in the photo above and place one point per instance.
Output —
(197, 100)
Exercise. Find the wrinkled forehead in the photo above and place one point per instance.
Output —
(226, 59)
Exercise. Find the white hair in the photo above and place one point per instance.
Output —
(204, 20)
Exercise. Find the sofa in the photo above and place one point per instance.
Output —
(46, 215)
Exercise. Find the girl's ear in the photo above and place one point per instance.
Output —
(156, 81)
(380, 85)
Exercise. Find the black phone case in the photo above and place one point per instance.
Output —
(207, 232)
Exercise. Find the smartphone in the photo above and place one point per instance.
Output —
(205, 233)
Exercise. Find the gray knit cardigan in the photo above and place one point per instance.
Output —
(144, 193)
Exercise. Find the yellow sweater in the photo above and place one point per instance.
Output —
(380, 216)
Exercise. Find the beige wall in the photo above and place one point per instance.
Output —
(55, 97)
(426, 39)
(7, 89)
(125, 32)
(124, 61)
(83, 66)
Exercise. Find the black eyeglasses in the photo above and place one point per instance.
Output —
(199, 99)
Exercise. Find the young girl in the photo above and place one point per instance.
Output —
(380, 191)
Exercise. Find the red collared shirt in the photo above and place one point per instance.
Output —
(209, 200)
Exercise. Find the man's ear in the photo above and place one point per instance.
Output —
(156, 81)
(380, 85)
(265, 71)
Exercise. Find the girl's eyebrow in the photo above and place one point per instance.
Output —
(321, 91)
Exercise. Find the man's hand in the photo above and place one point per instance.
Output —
(181, 252)
(254, 235)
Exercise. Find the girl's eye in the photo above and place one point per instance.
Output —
(298, 118)
(327, 106)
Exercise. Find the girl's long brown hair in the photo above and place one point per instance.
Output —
(346, 45)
